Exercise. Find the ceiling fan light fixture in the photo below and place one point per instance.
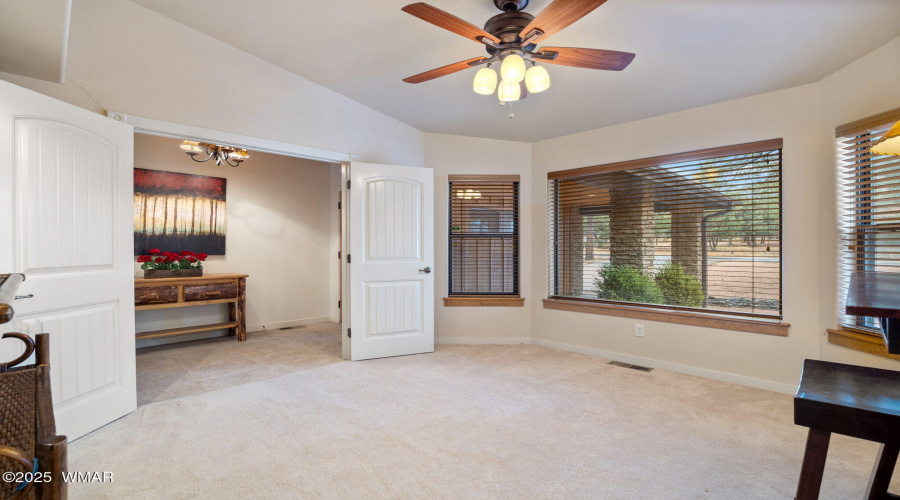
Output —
(509, 91)
(537, 79)
(485, 81)
(513, 68)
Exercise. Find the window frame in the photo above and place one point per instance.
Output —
(480, 298)
(862, 226)
(660, 312)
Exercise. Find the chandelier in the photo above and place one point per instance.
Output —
(202, 151)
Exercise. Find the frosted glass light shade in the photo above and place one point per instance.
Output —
(485, 81)
(513, 68)
(889, 143)
(240, 154)
(191, 147)
(537, 79)
(509, 91)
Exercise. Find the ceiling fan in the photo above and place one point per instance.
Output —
(511, 38)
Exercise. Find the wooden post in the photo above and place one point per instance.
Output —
(241, 307)
(52, 455)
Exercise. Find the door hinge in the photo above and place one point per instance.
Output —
(339, 304)
(348, 333)
(339, 254)
(348, 258)
(348, 184)
(339, 205)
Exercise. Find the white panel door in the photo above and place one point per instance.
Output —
(391, 260)
(66, 222)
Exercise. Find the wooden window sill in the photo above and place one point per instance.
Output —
(669, 316)
(483, 301)
(861, 342)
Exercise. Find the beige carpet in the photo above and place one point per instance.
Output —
(465, 422)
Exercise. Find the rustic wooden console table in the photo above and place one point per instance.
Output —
(162, 293)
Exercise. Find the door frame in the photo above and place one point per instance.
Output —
(172, 130)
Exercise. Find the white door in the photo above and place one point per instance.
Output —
(66, 185)
(391, 260)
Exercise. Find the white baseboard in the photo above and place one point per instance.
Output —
(672, 367)
(482, 340)
(287, 324)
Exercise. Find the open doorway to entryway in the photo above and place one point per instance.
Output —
(270, 233)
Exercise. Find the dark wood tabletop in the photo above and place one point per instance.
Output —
(874, 294)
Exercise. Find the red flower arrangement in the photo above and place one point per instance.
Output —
(160, 261)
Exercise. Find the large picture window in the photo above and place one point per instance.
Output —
(484, 235)
(693, 231)
(869, 200)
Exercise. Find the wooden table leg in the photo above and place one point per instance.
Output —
(232, 316)
(241, 308)
(882, 471)
(813, 464)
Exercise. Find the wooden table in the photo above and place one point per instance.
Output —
(877, 295)
(164, 293)
(856, 401)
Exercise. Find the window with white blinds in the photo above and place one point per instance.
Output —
(869, 199)
(692, 231)
(483, 235)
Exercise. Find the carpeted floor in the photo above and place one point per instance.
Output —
(464, 422)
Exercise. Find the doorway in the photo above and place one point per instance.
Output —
(279, 224)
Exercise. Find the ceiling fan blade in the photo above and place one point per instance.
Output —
(610, 60)
(442, 71)
(558, 15)
(447, 21)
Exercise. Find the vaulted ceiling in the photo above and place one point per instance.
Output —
(689, 53)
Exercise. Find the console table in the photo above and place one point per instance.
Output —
(163, 293)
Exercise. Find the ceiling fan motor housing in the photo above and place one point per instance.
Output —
(511, 5)
(507, 27)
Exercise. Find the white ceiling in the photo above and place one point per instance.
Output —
(689, 53)
(33, 38)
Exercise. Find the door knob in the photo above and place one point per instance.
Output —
(426, 270)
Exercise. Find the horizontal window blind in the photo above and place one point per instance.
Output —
(695, 231)
(484, 235)
(869, 201)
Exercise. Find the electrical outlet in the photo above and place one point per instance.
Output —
(638, 330)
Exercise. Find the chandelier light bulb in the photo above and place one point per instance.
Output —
(485, 81)
(513, 68)
(537, 79)
(509, 91)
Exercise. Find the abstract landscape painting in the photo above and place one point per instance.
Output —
(175, 212)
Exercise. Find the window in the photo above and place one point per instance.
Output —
(869, 199)
(484, 235)
(698, 231)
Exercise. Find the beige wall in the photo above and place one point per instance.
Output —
(864, 88)
(278, 231)
(805, 118)
(453, 155)
(129, 59)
